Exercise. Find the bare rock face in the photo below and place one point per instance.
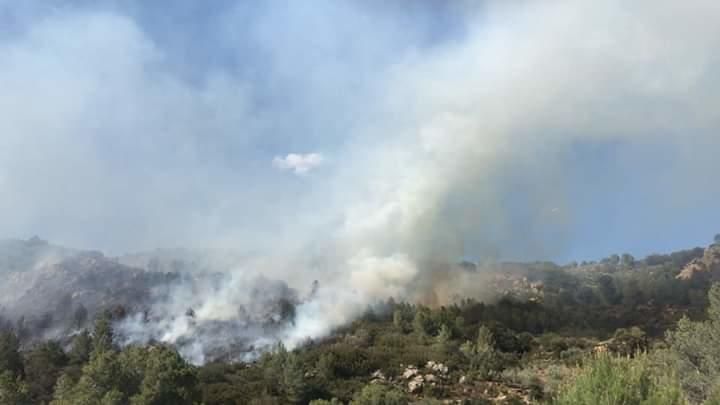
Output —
(437, 368)
(416, 384)
(696, 266)
(410, 372)
(378, 377)
(707, 266)
(433, 374)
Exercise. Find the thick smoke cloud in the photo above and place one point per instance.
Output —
(441, 141)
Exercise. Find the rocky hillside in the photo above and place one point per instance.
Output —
(46, 296)
(706, 266)
(17, 255)
(51, 299)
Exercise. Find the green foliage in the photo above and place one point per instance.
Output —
(293, 384)
(13, 391)
(377, 394)
(350, 360)
(166, 379)
(64, 391)
(544, 341)
(113, 397)
(696, 346)
(155, 375)
(285, 376)
(43, 366)
(265, 399)
(608, 289)
(428, 401)
(81, 348)
(326, 366)
(10, 358)
(422, 322)
(443, 340)
(100, 376)
(627, 260)
(608, 380)
(483, 357)
(714, 398)
(399, 322)
(627, 342)
(632, 294)
(103, 334)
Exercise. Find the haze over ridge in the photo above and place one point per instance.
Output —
(347, 146)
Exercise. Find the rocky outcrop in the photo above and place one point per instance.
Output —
(378, 377)
(706, 266)
(432, 374)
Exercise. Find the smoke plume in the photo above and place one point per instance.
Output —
(471, 136)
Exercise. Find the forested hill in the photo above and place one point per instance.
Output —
(644, 329)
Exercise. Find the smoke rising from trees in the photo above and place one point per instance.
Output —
(111, 141)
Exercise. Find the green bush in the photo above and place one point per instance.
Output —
(376, 394)
(608, 380)
(483, 357)
(714, 398)
(696, 347)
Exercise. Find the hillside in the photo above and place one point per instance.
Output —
(519, 345)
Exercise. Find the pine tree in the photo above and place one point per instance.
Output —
(168, 379)
(326, 366)
(293, 380)
(103, 334)
(43, 366)
(13, 390)
(421, 323)
(482, 354)
(696, 346)
(63, 393)
(376, 394)
(10, 358)
(81, 348)
(443, 339)
(398, 320)
(113, 397)
(99, 376)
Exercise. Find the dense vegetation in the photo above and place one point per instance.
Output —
(619, 331)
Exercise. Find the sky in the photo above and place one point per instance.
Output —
(514, 130)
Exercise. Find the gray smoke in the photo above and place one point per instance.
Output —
(426, 141)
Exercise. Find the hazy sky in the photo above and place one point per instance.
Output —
(565, 131)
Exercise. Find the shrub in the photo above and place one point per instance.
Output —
(608, 380)
(696, 349)
(714, 398)
(376, 394)
(483, 357)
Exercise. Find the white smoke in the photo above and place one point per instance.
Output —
(528, 82)
(432, 137)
